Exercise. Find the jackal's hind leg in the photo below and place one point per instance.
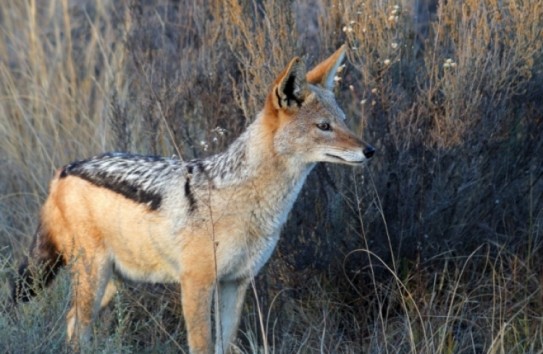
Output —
(230, 302)
(109, 293)
(92, 289)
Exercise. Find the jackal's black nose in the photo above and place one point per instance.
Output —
(368, 151)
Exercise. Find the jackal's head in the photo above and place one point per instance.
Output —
(305, 119)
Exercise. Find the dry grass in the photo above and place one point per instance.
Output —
(435, 247)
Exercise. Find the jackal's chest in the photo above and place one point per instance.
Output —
(243, 257)
(247, 239)
(246, 221)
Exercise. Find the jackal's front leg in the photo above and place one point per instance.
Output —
(196, 298)
(230, 302)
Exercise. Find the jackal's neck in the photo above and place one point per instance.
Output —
(255, 179)
(252, 157)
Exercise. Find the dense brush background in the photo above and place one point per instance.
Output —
(434, 247)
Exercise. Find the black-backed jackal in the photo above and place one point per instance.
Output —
(203, 224)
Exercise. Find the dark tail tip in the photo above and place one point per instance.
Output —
(22, 286)
(30, 279)
(38, 269)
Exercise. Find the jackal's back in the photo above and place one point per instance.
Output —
(140, 178)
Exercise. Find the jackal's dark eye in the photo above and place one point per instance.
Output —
(324, 126)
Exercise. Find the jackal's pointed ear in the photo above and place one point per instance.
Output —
(290, 88)
(324, 73)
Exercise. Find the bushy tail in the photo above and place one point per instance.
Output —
(38, 269)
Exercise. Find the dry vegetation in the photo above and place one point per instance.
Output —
(435, 247)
